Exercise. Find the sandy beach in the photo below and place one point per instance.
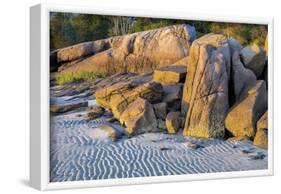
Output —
(80, 151)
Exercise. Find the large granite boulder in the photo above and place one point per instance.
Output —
(139, 118)
(254, 58)
(173, 122)
(138, 52)
(205, 92)
(261, 137)
(172, 74)
(243, 116)
(243, 79)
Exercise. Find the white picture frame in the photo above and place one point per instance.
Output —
(39, 102)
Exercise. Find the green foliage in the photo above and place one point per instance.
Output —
(67, 29)
(90, 27)
(61, 31)
(245, 33)
(64, 78)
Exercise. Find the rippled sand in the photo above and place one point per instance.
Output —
(77, 155)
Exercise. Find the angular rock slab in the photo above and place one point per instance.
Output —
(205, 93)
(170, 74)
(254, 58)
(118, 96)
(243, 116)
(261, 137)
(139, 118)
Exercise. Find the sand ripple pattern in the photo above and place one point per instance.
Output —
(76, 156)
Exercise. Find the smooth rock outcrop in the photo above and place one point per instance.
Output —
(172, 74)
(138, 52)
(139, 118)
(243, 116)
(261, 137)
(173, 122)
(254, 58)
(205, 92)
(243, 79)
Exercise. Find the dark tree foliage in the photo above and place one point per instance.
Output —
(67, 28)
(61, 30)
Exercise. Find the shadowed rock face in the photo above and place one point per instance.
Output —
(205, 97)
(243, 79)
(254, 58)
(139, 52)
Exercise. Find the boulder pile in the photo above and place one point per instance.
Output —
(210, 87)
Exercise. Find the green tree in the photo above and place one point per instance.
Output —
(61, 30)
(90, 27)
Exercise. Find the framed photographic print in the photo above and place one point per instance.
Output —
(133, 97)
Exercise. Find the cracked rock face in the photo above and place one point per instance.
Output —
(205, 97)
(138, 52)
